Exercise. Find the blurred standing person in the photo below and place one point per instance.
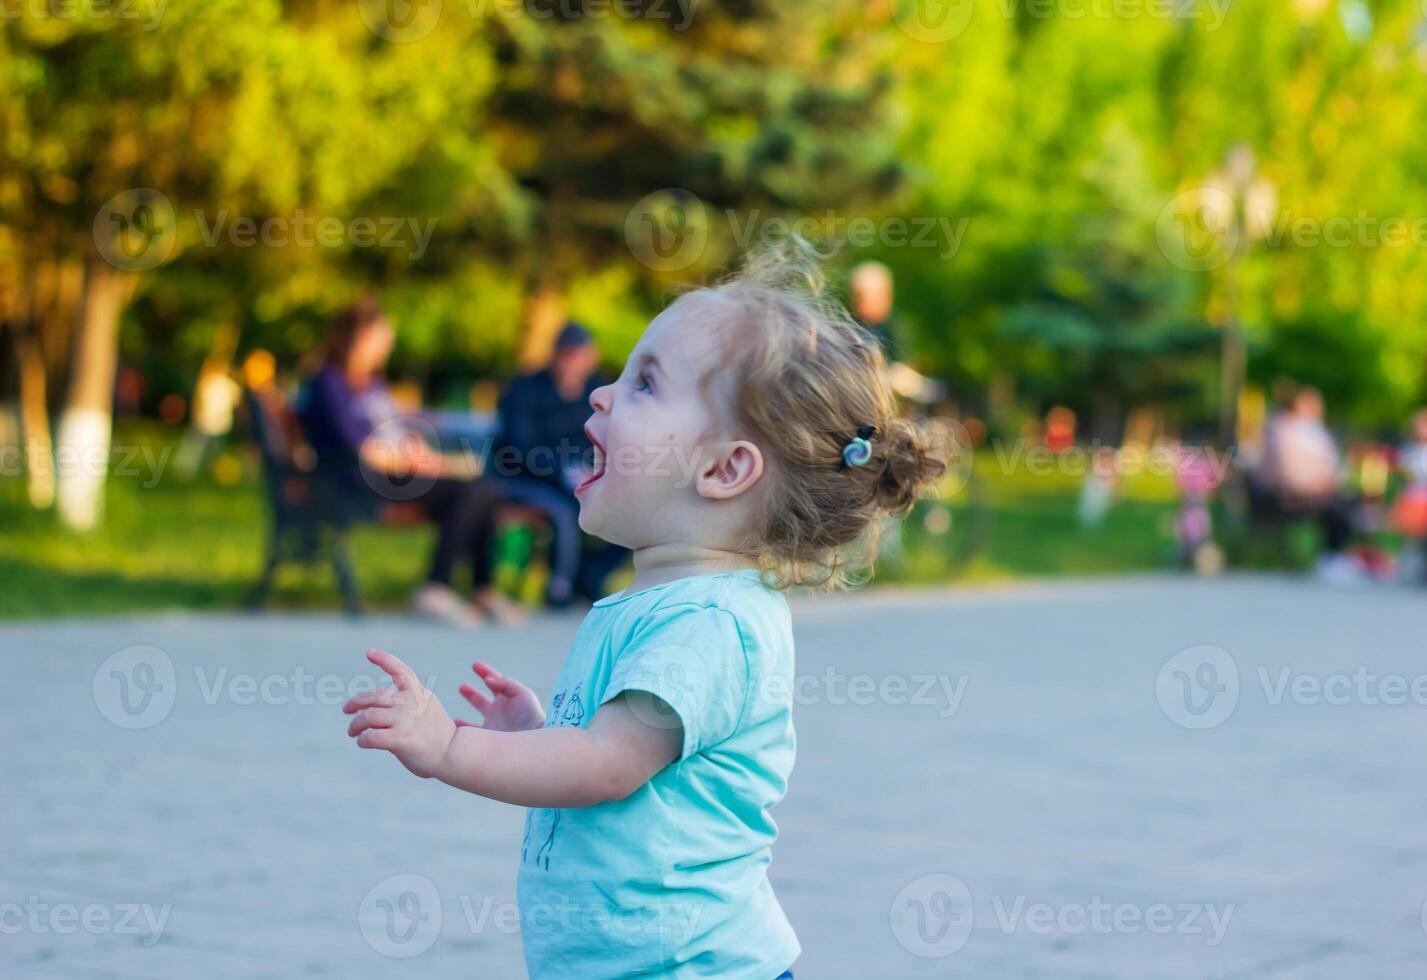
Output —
(872, 300)
(363, 444)
(1300, 473)
(215, 397)
(872, 304)
(542, 454)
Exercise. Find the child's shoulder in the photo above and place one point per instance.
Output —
(737, 593)
(735, 603)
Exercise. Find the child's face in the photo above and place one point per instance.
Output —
(659, 449)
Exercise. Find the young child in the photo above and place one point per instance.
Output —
(750, 445)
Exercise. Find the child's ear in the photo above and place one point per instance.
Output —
(732, 470)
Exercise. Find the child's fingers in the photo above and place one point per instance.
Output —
(371, 718)
(494, 679)
(478, 700)
(401, 675)
(383, 697)
(377, 738)
(485, 671)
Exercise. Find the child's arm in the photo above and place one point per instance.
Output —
(627, 742)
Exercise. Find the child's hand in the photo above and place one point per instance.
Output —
(514, 707)
(407, 720)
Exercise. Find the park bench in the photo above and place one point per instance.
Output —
(312, 514)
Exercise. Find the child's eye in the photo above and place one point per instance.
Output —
(644, 382)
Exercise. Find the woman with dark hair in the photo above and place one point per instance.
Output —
(378, 456)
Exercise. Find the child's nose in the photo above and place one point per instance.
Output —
(599, 398)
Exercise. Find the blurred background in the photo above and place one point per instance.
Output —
(1156, 264)
(300, 304)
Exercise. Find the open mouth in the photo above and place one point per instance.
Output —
(596, 465)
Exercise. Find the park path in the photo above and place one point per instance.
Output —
(1114, 779)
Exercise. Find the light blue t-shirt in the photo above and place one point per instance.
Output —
(672, 881)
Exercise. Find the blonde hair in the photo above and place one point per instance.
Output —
(807, 379)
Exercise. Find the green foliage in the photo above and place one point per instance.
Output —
(524, 134)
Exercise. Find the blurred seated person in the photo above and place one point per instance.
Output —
(1299, 476)
(1410, 510)
(542, 454)
(374, 455)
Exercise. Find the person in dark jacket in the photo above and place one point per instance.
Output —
(375, 455)
(542, 454)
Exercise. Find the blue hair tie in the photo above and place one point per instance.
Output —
(858, 451)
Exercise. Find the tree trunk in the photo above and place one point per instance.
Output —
(85, 428)
(36, 447)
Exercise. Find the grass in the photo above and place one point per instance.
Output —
(197, 544)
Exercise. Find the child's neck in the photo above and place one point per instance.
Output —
(663, 563)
